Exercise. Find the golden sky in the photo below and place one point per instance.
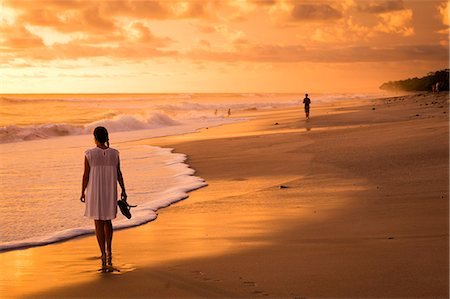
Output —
(101, 46)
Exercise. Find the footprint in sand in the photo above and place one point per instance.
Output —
(249, 283)
(239, 179)
(255, 292)
(203, 277)
(198, 272)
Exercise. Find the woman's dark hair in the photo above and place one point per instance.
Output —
(101, 135)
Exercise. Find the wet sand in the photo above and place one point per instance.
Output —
(352, 203)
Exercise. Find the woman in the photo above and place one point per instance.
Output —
(101, 174)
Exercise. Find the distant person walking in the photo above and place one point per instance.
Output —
(99, 190)
(307, 102)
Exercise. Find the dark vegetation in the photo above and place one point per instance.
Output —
(427, 83)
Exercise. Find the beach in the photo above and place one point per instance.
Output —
(351, 203)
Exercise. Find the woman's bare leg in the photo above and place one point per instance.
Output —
(100, 233)
(108, 237)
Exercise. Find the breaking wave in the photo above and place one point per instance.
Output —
(118, 123)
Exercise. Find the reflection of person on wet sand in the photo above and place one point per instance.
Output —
(99, 192)
(307, 102)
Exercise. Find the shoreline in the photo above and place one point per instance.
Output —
(49, 239)
(231, 240)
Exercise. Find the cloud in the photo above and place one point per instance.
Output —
(290, 12)
(139, 9)
(378, 6)
(315, 12)
(298, 53)
(66, 17)
(346, 31)
(130, 52)
(264, 2)
(194, 10)
(393, 16)
(327, 31)
(203, 43)
(444, 12)
(101, 17)
(143, 34)
(68, 11)
(18, 38)
(208, 29)
(399, 22)
(57, 30)
(18, 63)
(76, 51)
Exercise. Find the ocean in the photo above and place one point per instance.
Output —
(43, 139)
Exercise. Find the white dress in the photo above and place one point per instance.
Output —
(101, 191)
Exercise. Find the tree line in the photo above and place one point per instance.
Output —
(433, 80)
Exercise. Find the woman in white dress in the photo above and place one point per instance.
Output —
(99, 190)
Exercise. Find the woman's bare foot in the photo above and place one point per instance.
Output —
(109, 260)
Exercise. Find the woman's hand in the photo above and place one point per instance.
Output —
(123, 196)
(83, 197)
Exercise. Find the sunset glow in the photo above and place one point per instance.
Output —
(69, 46)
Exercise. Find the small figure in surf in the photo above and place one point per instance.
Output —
(307, 102)
(229, 112)
(99, 191)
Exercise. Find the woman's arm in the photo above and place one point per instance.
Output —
(85, 181)
(121, 183)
